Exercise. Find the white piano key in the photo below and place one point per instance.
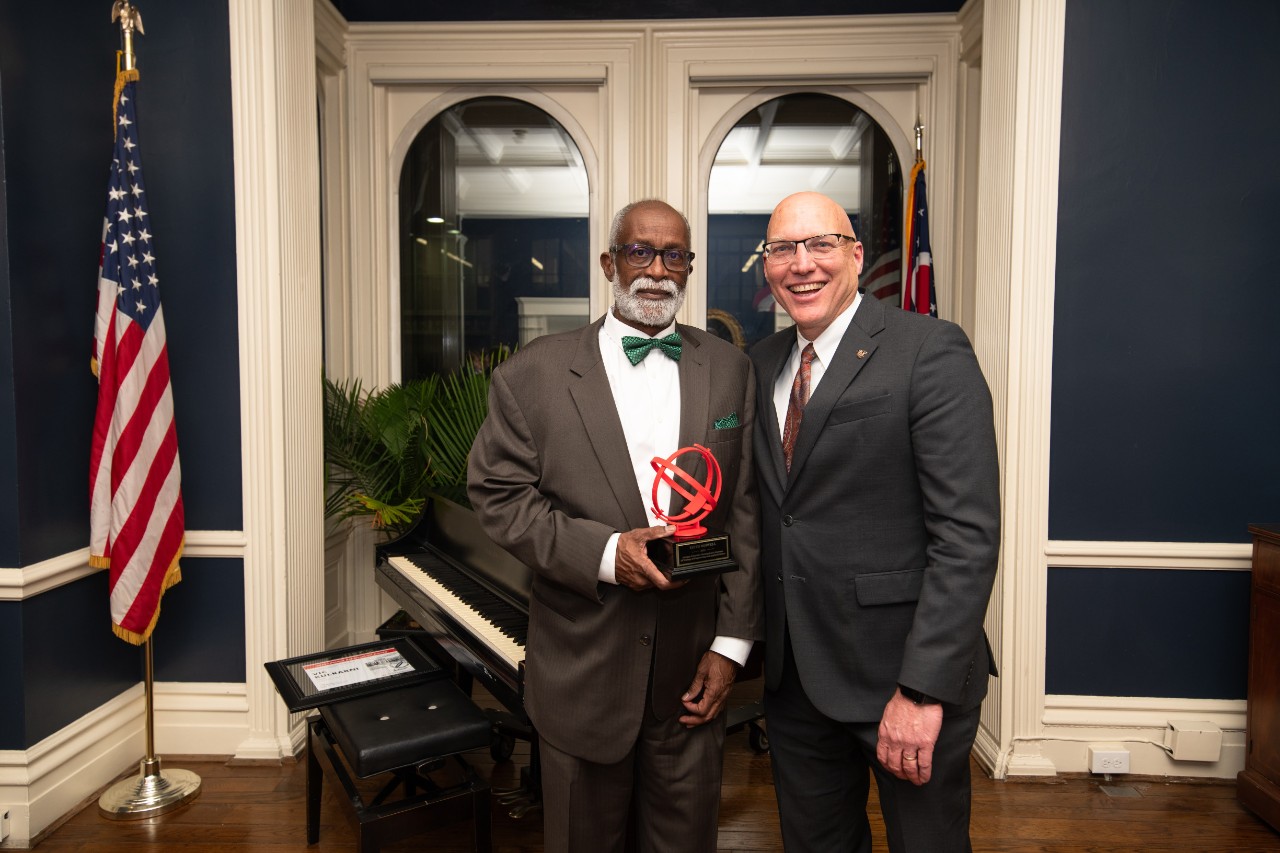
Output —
(506, 648)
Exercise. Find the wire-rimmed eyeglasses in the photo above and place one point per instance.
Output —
(818, 246)
(639, 255)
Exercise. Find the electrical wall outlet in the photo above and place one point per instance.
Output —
(1108, 758)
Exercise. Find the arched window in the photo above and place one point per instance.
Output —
(493, 234)
(797, 142)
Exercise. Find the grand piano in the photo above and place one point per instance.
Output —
(471, 599)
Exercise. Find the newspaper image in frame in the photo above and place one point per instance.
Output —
(309, 681)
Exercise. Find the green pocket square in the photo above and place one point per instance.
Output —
(729, 421)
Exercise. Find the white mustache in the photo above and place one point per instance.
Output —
(666, 285)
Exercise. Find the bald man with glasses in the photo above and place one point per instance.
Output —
(879, 497)
(627, 671)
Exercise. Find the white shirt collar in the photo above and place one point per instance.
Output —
(826, 344)
(616, 329)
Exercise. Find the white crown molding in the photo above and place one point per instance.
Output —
(1138, 724)
(399, 78)
(1201, 556)
(897, 69)
(17, 584)
(201, 718)
(1022, 48)
(987, 750)
(331, 34)
(1072, 723)
(970, 19)
(1125, 712)
(41, 784)
(273, 77)
(48, 780)
(602, 73)
(30, 581)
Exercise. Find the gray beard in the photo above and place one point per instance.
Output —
(656, 314)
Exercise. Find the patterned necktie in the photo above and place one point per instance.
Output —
(796, 403)
(637, 348)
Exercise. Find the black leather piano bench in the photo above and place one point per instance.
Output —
(407, 732)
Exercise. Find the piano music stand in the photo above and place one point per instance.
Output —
(404, 732)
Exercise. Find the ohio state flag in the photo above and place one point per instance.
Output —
(919, 295)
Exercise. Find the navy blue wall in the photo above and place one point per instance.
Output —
(56, 88)
(71, 662)
(13, 716)
(1166, 314)
(200, 635)
(1166, 319)
(57, 109)
(57, 67)
(8, 444)
(1147, 633)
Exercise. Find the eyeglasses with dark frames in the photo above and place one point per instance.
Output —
(639, 256)
(818, 246)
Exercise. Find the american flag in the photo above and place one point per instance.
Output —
(919, 294)
(135, 514)
(883, 279)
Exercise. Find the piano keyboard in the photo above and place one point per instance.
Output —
(501, 627)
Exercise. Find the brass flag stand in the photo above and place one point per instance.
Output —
(154, 791)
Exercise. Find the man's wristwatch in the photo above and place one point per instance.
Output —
(916, 696)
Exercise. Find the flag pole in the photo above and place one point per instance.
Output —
(919, 141)
(153, 791)
(130, 19)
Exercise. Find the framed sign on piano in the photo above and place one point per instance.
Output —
(309, 681)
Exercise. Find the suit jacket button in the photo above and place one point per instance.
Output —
(787, 521)
(644, 639)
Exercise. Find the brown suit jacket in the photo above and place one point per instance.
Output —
(550, 480)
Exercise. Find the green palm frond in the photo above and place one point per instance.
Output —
(375, 451)
(385, 451)
(458, 411)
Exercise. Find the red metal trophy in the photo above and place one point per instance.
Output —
(689, 551)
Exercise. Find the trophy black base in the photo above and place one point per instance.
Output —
(680, 559)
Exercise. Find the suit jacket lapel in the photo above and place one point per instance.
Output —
(867, 321)
(589, 385)
(695, 409)
(773, 357)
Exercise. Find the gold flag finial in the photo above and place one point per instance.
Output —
(130, 19)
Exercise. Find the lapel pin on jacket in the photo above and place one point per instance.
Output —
(862, 353)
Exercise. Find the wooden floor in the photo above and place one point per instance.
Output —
(262, 808)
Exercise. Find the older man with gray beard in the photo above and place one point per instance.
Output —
(627, 671)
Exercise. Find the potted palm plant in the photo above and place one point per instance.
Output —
(388, 450)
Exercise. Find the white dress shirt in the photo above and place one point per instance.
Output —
(824, 346)
(647, 397)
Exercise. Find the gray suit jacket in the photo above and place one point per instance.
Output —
(551, 479)
(879, 548)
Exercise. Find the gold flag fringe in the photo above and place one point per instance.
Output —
(171, 577)
(122, 77)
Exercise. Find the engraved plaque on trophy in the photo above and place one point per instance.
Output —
(691, 550)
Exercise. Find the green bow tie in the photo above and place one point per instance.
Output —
(637, 348)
